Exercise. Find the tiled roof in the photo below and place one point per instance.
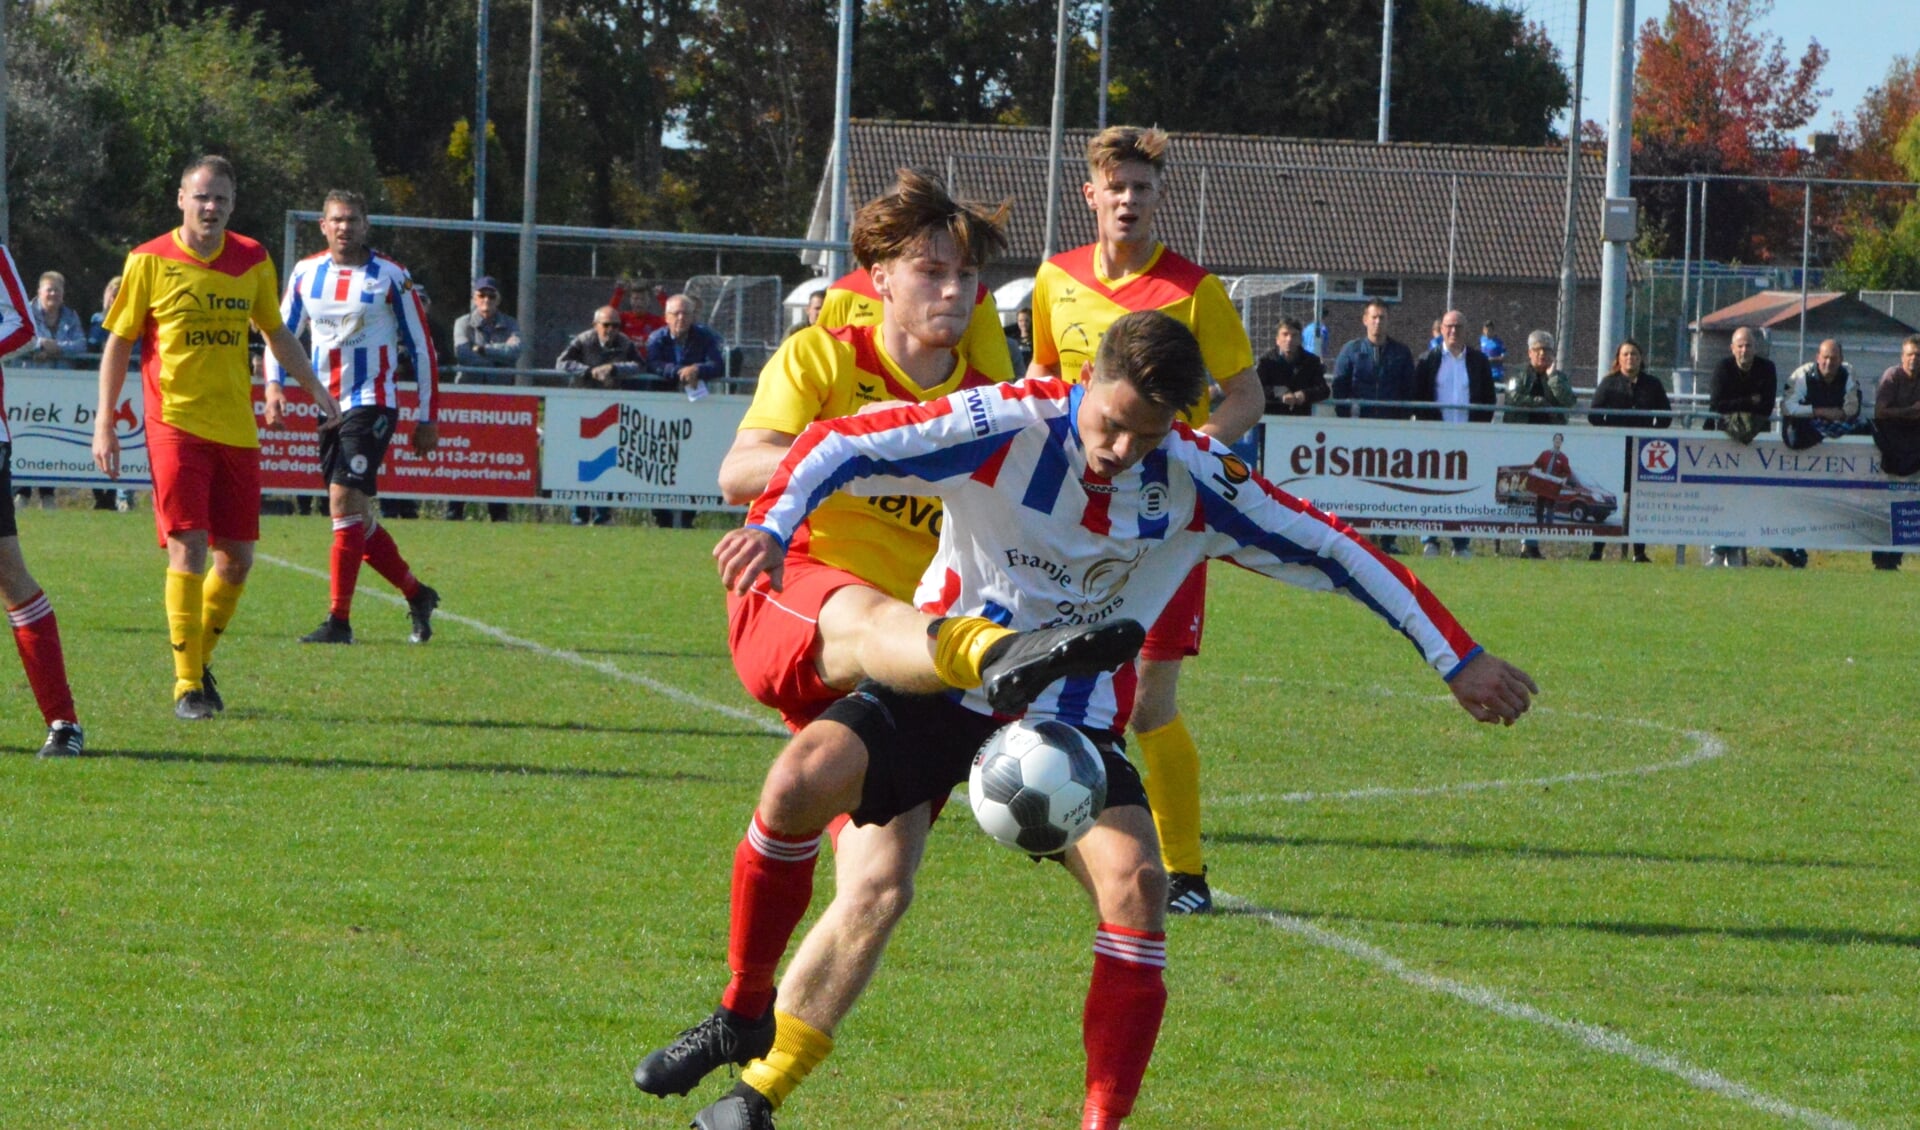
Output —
(1276, 205)
(1768, 308)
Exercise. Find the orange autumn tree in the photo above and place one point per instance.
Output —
(1715, 93)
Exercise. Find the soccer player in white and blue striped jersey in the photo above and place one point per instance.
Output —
(1065, 505)
(363, 313)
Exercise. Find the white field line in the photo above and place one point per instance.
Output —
(665, 690)
(1592, 1036)
(1707, 747)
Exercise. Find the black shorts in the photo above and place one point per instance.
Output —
(351, 453)
(919, 747)
(8, 528)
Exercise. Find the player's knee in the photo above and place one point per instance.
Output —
(814, 779)
(1136, 896)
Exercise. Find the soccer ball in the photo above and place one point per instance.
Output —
(1037, 786)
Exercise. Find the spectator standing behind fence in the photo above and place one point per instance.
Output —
(1374, 367)
(1294, 379)
(601, 357)
(1822, 400)
(639, 309)
(1539, 395)
(485, 337)
(57, 331)
(1624, 394)
(1743, 391)
(1454, 377)
(1896, 424)
(685, 353)
(1496, 351)
(1020, 339)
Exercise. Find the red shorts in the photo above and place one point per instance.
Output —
(1176, 634)
(202, 485)
(771, 636)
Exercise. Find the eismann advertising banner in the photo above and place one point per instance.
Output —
(1489, 480)
(51, 415)
(1698, 487)
(489, 448)
(646, 449)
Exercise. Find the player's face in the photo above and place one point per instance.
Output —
(929, 292)
(1118, 426)
(345, 229)
(206, 203)
(1123, 198)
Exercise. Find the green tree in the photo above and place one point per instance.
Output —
(980, 61)
(1886, 256)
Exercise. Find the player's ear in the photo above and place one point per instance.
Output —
(879, 274)
(1086, 372)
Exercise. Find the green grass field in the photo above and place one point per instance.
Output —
(468, 884)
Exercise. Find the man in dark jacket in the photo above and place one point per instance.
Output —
(1744, 387)
(1451, 378)
(1374, 367)
(1294, 379)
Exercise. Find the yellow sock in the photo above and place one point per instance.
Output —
(1173, 789)
(958, 646)
(798, 1048)
(183, 630)
(218, 601)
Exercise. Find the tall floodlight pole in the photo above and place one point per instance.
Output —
(529, 327)
(842, 133)
(1057, 138)
(1386, 69)
(478, 264)
(6, 216)
(1106, 45)
(1613, 254)
(1570, 220)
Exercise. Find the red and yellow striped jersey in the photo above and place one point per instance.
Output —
(190, 316)
(822, 374)
(1073, 304)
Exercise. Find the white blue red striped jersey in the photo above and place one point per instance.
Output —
(15, 331)
(1033, 539)
(362, 319)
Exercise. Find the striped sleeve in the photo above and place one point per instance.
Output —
(293, 311)
(1260, 527)
(417, 339)
(15, 332)
(939, 440)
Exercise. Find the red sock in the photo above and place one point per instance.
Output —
(1125, 1001)
(37, 634)
(772, 885)
(349, 545)
(385, 558)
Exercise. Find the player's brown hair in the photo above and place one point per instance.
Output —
(901, 222)
(348, 197)
(1115, 144)
(1155, 354)
(220, 165)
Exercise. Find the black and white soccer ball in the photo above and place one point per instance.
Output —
(1037, 787)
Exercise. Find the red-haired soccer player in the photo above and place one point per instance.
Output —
(35, 631)
(1076, 296)
(188, 297)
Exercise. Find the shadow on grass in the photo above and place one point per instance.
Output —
(1480, 851)
(481, 768)
(1817, 935)
(357, 720)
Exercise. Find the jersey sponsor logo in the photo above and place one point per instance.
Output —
(864, 391)
(1099, 585)
(197, 338)
(908, 510)
(358, 464)
(979, 413)
(222, 302)
(1233, 467)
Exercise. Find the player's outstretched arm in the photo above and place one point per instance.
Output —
(1240, 410)
(746, 553)
(1493, 690)
(114, 356)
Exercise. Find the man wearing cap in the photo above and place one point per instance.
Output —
(486, 337)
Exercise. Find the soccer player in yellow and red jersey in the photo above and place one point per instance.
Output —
(1076, 296)
(837, 618)
(852, 301)
(188, 297)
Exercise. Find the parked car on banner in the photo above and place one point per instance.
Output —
(1581, 501)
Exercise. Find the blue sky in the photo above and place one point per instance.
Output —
(1863, 37)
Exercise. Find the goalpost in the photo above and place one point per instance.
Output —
(1265, 299)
